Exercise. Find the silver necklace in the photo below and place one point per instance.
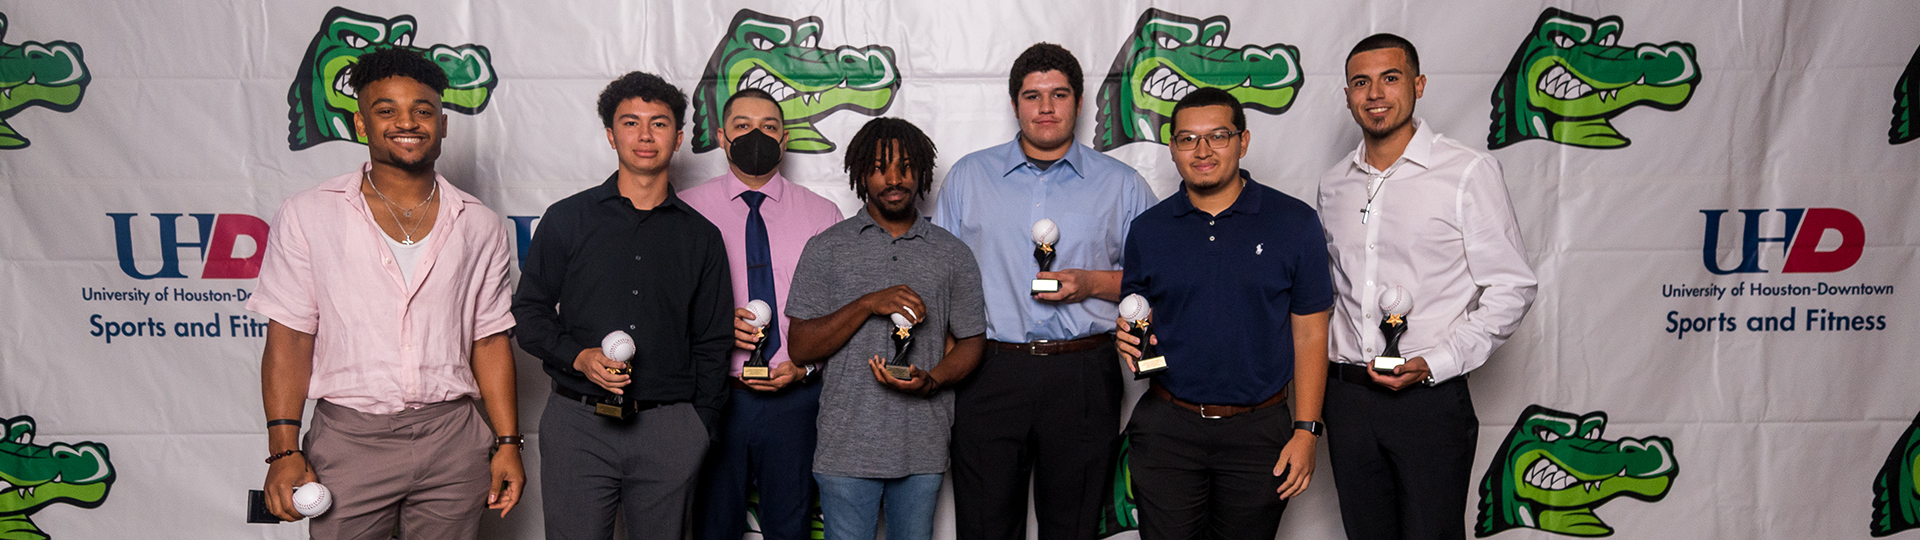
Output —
(404, 229)
(1376, 181)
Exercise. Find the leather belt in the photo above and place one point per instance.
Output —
(590, 400)
(1353, 373)
(1047, 347)
(1213, 412)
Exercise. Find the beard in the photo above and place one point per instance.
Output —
(904, 212)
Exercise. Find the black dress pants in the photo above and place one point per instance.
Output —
(1402, 460)
(1054, 419)
(1207, 478)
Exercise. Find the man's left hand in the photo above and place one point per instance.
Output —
(783, 375)
(503, 492)
(920, 385)
(1075, 286)
(1296, 462)
(1411, 373)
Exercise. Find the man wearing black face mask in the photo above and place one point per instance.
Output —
(768, 433)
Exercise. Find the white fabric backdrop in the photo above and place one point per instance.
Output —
(1778, 433)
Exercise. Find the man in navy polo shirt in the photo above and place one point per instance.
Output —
(1236, 274)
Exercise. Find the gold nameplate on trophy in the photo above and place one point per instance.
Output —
(756, 372)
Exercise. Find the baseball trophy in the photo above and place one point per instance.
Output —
(618, 346)
(756, 367)
(898, 366)
(1135, 310)
(312, 499)
(1045, 234)
(1395, 302)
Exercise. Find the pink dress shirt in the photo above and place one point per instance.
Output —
(382, 343)
(793, 215)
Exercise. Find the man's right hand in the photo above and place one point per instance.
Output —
(595, 365)
(282, 476)
(896, 299)
(743, 333)
(1127, 345)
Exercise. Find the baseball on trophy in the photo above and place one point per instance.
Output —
(618, 346)
(900, 321)
(762, 313)
(312, 499)
(757, 367)
(1135, 310)
(1395, 303)
(1045, 235)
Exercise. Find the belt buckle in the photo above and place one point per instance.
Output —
(1033, 347)
(1203, 414)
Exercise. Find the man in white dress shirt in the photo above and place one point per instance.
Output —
(1414, 209)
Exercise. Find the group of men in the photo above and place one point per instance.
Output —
(900, 347)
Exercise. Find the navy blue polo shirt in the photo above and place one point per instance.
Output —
(1222, 287)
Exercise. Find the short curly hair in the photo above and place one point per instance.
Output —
(1044, 57)
(645, 86)
(395, 62)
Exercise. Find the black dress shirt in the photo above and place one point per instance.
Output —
(597, 265)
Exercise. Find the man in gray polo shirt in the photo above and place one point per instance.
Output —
(883, 438)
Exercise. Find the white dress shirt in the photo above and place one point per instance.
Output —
(1441, 226)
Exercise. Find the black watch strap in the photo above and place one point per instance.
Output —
(1315, 428)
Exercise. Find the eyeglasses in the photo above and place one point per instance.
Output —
(1216, 140)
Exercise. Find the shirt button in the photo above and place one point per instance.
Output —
(408, 347)
(1369, 246)
(636, 257)
(630, 327)
(1209, 239)
(1369, 349)
(1369, 315)
(636, 292)
(1209, 223)
(896, 257)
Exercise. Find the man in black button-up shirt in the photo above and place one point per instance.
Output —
(628, 256)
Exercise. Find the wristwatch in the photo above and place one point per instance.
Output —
(1312, 428)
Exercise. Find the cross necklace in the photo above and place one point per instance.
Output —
(404, 229)
(1375, 183)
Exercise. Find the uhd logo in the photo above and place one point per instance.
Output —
(1800, 239)
(219, 245)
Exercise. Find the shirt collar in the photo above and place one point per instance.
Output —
(1419, 149)
(1248, 202)
(349, 186)
(776, 187)
(919, 228)
(610, 191)
(1012, 158)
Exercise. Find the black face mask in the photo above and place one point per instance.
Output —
(755, 153)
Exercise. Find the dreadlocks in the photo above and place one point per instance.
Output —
(875, 147)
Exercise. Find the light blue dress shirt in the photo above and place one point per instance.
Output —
(992, 197)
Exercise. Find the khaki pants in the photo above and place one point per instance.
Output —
(423, 472)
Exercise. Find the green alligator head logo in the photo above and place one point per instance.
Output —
(32, 74)
(322, 103)
(1906, 104)
(1554, 469)
(1896, 490)
(784, 57)
(1572, 75)
(1119, 512)
(1171, 55)
(33, 477)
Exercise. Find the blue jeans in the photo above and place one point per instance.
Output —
(851, 506)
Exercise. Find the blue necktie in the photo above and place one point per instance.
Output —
(760, 266)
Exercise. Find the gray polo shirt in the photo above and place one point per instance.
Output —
(868, 430)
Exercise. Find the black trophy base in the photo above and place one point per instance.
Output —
(756, 373)
(901, 372)
(1148, 367)
(1046, 286)
(1385, 364)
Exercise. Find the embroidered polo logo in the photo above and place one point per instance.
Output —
(1572, 75)
(810, 81)
(321, 102)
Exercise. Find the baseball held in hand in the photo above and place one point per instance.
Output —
(1134, 308)
(900, 321)
(312, 499)
(618, 346)
(1396, 301)
(762, 313)
(1045, 232)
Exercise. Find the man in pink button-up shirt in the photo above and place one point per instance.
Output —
(768, 433)
(387, 290)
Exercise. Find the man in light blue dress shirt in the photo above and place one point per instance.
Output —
(1045, 401)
